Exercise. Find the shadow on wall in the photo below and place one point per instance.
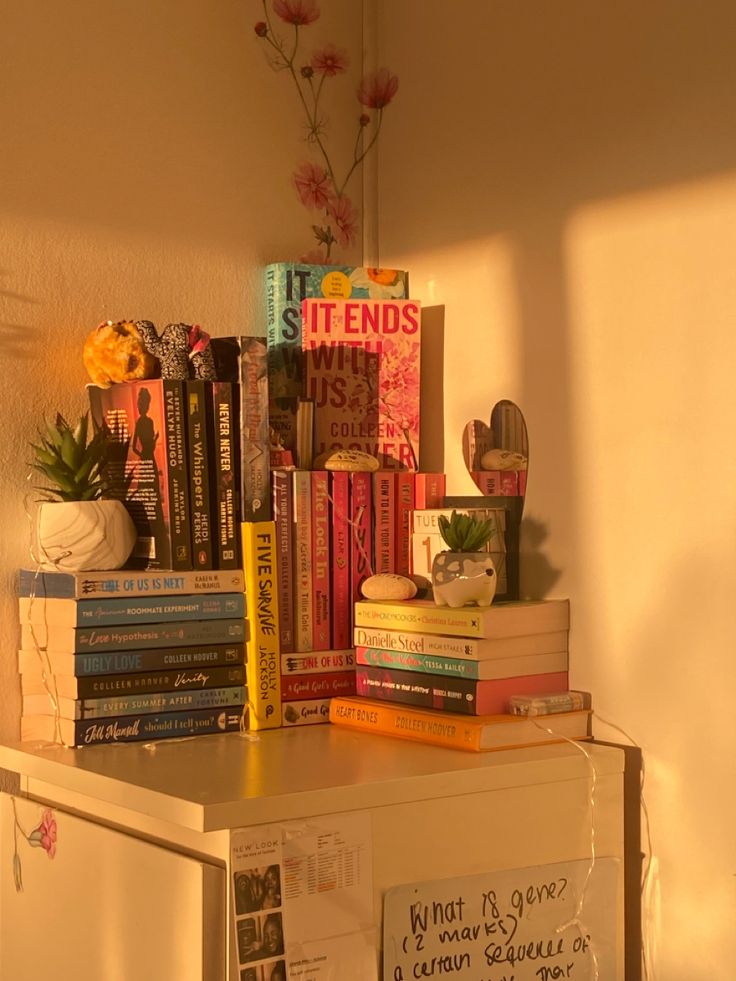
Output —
(15, 338)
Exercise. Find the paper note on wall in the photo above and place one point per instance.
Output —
(302, 900)
(537, 924)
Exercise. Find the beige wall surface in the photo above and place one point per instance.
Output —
(146, 160)
(560, 179)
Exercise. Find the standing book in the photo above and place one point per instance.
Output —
(482, 733)
(341, 599)
(223, 465)
(283, 516)
(149, 469)
(198, 455)
(302, 558)
(262, 649)
(321, 552)
(361, 369)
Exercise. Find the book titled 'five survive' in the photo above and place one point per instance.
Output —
(361, 369)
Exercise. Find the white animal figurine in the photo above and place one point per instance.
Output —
(463, 579)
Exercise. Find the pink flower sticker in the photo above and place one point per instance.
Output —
(297, 12)
(313, 185)
(378, 89)
(345, 217)
(330, 61)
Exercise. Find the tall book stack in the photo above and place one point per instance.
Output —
(440, 675)
(110, 657)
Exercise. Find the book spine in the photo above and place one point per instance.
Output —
(125, 662)
(321, 612)
(320, 662)
(283, 514)
(177, 633)
(404, 506)
(61, 585)
(198, 454)
(119, 612)
(342, 606)
(255, 446)
(262, 663)
(286, 287)
(167, 701)
(522, 483)
(298, 686)
(426, 663)
(403, 722)
(509, 483)
(141, 682)
(444, 694)
(176, 470)
(429, 490)
(302, 539)
(384, 521)
(307, 712)
(429, 619)
(223, 474)
(488, 482)
(361, 543)
(169, 725)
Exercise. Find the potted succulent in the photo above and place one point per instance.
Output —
(79, 527)
(464, 573)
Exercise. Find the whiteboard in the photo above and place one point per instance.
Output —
(536, 924)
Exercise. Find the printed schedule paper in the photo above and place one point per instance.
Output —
(302, 900)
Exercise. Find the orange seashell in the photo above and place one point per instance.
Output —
(114, 352)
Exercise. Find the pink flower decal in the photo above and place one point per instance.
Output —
(44, 836)
(297, 12)
(378, 89)
(313, 186)
(330, 61)
(345, 217)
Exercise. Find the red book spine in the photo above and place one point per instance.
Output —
(488, 482)
(429, 490)
(283, 517)
(360, 532)
(320, 562)
(404, 507)
(384, 521)
(342, 606)
(522, 482)
(302, 539)
(509, 482)
(296, 686)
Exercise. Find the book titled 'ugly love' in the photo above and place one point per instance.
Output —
(361, 369)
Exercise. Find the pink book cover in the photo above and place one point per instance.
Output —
(404, 507)
(321, 615)
(361, 539)
(284, 518)
(429, 490)
(384, 521)
(302, 558)
(342, 606)
(488, 482)
(362, 371)
(296, 686)
(509, 482)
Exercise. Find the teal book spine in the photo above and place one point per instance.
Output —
(128, 610)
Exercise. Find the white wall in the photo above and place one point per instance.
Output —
(561, 178)
(146, 157)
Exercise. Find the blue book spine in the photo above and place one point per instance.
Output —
(128, 662)
(168, 725)
(165, 701)
(178, 633)
(130, 583)
(151, 609)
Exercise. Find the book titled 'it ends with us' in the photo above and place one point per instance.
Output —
(361, 369)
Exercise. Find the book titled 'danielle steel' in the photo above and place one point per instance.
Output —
(144, 704)
(472, 734)
(177, 633)
(68, 664)
(511, 619)
(361, 369)
(452, 694)
(130, 728)
(148, 422)
(471, 648)
(81, 585)
(139, 682)
(126, 610)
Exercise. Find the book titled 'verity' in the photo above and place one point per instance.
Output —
(512, 619)
(135, 683)
(482, 733)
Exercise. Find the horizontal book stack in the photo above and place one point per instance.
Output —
(114, 657)
(457, 668)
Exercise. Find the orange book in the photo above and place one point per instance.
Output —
(472, 734)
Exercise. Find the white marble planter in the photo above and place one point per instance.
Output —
(81, 536)
(463, 579)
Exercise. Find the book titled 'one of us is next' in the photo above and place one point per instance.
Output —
(361, 369)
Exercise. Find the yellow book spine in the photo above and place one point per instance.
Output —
(426, 619)
(435, 728)
(262, 667)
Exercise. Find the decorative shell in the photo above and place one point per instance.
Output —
(352, 460)
(116, 353)
(503, 460)
(388, 586)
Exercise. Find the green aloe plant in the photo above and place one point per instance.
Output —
(465, 532)
(72, 462)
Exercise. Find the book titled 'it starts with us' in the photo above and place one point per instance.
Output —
(361, 369)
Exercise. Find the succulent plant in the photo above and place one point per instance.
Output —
(465, 532)
(74, 465)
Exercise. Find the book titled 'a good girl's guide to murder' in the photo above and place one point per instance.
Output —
(361, 369)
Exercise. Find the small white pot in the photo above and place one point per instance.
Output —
(79, 536)
(463, 579)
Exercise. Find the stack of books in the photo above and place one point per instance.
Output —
(449, 676)
(111, 657)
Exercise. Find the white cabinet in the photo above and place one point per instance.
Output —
(138, 888)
